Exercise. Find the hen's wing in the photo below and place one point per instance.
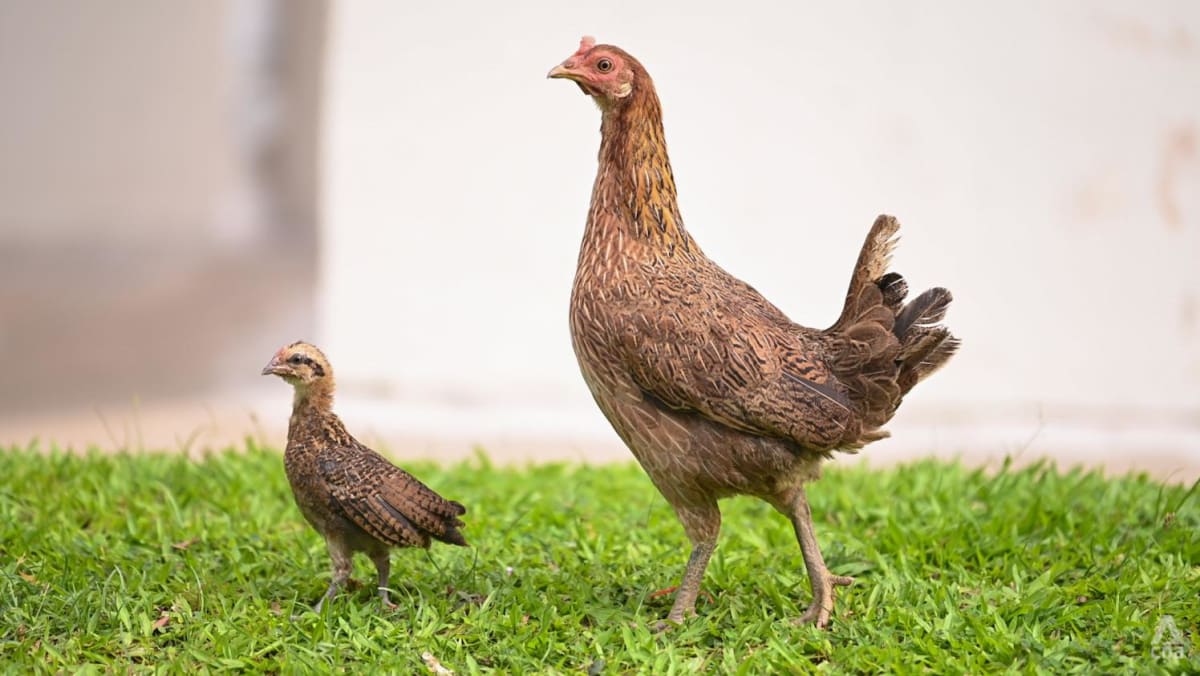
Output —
(706, 342)
(388, 503)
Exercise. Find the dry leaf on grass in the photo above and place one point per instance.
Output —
(433, 664)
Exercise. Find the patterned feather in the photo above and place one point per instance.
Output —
(352, 496)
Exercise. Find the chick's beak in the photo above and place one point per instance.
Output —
(274, 368)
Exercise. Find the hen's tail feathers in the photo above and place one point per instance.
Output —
(887, 346)
(871, 268)
(925, 346)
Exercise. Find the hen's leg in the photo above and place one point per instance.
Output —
(383, 564)
(702, 524)
(819, 577)
(340, 555)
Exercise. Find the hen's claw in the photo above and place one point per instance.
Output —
(820, 611)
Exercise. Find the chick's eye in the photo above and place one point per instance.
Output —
(604, 65)
(295, 359)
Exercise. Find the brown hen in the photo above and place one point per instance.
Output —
(354, 497)
(715, 391)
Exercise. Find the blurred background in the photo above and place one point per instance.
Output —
(187, 186)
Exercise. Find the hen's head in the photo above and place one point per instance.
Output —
(300, 364)
(606, 73)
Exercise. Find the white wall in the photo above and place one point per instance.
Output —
(1044, 159)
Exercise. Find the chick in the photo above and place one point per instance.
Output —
(354, 497)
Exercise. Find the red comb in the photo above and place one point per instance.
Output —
(585, 44)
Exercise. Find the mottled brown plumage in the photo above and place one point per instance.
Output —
(715, 391)
(354, 497)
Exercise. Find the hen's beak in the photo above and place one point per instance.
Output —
(275, 368)
(561, 71)
(565, 72)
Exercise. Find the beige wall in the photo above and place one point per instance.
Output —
(1044, 158)
(159, 180)
(116, 120)
(157, 209)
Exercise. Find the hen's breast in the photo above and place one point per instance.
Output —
(597, 300)
(688, 456)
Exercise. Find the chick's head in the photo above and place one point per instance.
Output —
(300, 364)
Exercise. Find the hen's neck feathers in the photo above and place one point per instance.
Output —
(634, 196)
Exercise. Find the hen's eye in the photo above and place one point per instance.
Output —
(604, 65)
(295, 359)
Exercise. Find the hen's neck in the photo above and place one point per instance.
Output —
(634, 195)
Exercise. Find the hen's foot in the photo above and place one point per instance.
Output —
(676, 617)
(386, 604)
(820, 610)
(663, 626)
(316, 608)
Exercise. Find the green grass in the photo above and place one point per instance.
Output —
(157, 561)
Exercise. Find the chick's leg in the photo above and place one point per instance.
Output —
(822, 581)
(383, 564)
(340, 554)
(702, 524)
